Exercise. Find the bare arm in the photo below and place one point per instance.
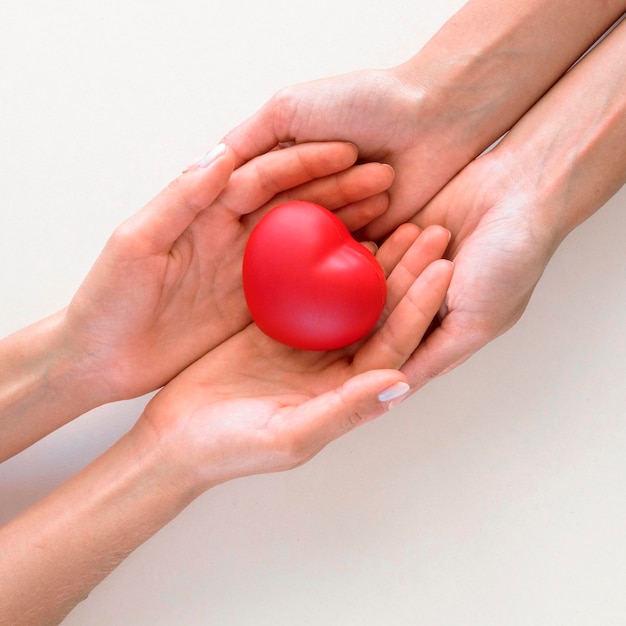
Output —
(494, 59)
(432, 115)
(56, 552)
(510, 209)
(271, 409)
(165, 290)
(41, 382)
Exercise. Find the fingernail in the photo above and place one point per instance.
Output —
(371, 246)
(393, 392)
(210, 157)
(443, 309)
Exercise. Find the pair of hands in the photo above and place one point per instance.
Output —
(497, 257)
(507, 209)
(164, 306)
(181, 295)
(165, 297)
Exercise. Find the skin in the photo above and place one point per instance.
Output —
(271, 409)
(433, 114)
(494, 67)
(165, 290)
(275, 408)
(508, 217)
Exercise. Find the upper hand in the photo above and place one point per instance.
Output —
(386, 117)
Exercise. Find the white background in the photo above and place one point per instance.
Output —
(494, 496)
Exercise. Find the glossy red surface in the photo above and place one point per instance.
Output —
(307, 282)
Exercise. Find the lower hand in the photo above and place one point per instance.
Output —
(253, 405)
(167, 287)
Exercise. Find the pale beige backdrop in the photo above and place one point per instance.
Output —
(493, 497)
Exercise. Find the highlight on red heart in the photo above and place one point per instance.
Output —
(307, 282)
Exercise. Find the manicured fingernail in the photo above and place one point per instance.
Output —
(393, 392)
(210, 157)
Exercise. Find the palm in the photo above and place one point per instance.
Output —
(498, 262)
(191, 289)
(146, 311)
(253, 405)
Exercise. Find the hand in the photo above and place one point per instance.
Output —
(509, 210)
(433, 114)
(167, 287)
(249, 406)
(389, 120)
(274, 407)
(499, 256)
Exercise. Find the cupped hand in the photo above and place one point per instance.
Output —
(167, 287)
(253, 405)
(384, 115)
(499, 252)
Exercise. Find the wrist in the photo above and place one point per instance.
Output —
(85, 528)
(45, 383)
(567, 154)
(520, 191)
(162, 460)
(494, 59)
(183, 471)
(440, 106)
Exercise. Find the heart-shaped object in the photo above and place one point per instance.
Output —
(307, 282)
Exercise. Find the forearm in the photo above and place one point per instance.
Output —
(494, 59)
(44, 383)
(53, 554)
(568, 154)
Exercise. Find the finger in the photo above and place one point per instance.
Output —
(447, 347)
(396, 340)
(161, 222)
(357, 195)
(259, 180)
(262, 131)
(345, 187)
(371, 246)
(330, 415)
(429, 246)
(358, 214)
(396, 246)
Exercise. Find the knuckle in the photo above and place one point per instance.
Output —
(354, 417)
(179, 189)
(124, 236)
(283, 107)
(353, 414)
(394, 346)
(292, 449)
(267, 178)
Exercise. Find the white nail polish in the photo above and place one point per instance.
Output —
(212, 155)
(393, 392)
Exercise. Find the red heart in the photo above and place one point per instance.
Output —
(307, 282)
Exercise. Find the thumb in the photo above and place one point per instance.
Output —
(263, 130)
(162, 221)
(447, 347)
(359, 400)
